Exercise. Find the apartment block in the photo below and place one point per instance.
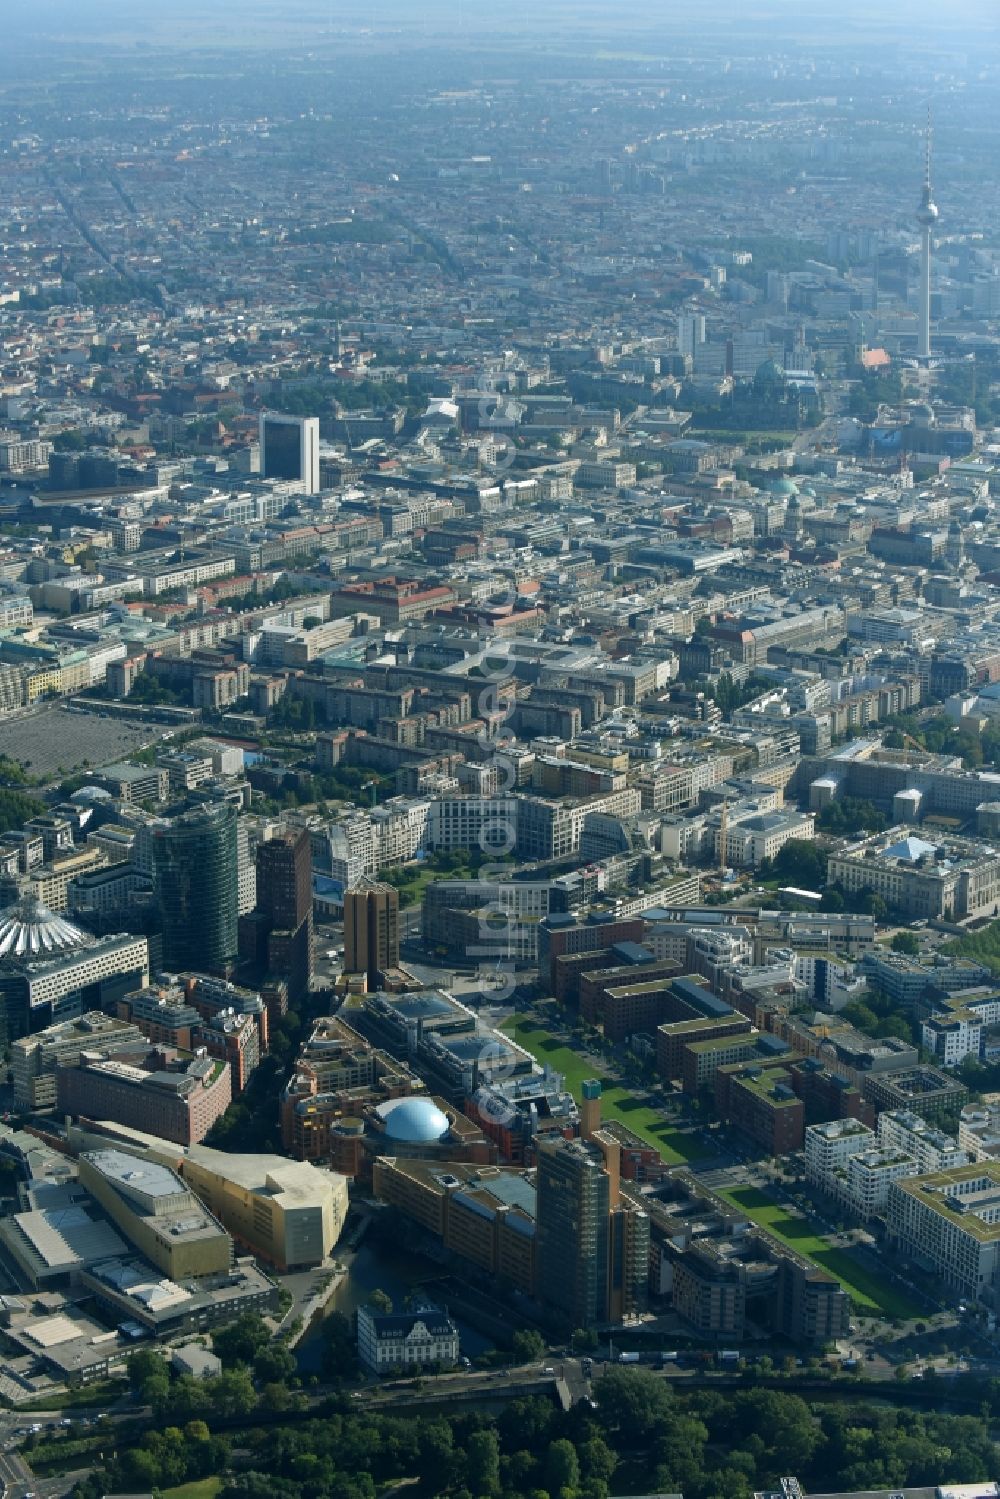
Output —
(952, 1220)
(828, 1149)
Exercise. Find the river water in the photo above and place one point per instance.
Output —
(398, 1273)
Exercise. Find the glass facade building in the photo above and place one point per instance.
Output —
(195, 870)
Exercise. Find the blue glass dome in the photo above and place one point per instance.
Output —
(416, 1121)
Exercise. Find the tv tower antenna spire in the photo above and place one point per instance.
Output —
(927, 217)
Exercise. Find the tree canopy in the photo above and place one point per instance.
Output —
(703, 1443)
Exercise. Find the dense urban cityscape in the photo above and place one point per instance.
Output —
(499, 751)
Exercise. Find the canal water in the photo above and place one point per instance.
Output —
(398, 1273)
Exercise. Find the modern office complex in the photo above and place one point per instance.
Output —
(483, 1213)
(371, 929)
(203, 1013)
(276, 938)
(951, 1219)
(51, 970)
(35, 1060)
(157, 1212)
(289, 449)
(289, 1213)
(175, 1096)
(195, 871)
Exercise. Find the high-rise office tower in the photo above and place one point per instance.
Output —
(592, 1243)
(571, 1246)
(289, 448)
(195, 878)
(277, 937)
(690, 332)
(927, 217)
(371, 929)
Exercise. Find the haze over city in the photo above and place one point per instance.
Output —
(499, 750)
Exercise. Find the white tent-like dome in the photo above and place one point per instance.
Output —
(30, 928)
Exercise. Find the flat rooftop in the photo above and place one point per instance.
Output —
(66, 1236)
(128, 1172)
(961, 1195)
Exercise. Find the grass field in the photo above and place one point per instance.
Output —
(617, 1103)
(199, 1488)
(411, 892)
(870, 1292)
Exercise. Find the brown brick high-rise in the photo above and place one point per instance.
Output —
(371, 929)
(277, 937)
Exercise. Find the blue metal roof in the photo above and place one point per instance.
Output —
(700, 998)
(631, 952)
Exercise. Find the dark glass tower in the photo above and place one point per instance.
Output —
(196, 879)
(277, 938)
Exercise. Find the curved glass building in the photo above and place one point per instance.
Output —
(195, 875)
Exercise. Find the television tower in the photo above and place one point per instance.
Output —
(927, 217)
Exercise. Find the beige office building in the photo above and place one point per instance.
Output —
(290, 1213)
(35, 1060)
(157, 1212)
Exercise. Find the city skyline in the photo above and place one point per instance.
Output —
(499, 750)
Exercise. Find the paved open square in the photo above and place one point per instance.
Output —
(58, 741)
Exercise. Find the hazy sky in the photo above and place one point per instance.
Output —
(45, 39)
(95, 17)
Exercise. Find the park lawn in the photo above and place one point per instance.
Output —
(198, 1488)
(411, 892)
(870, 1292)
(542, 1044)
(674, 1145)
(417, 876)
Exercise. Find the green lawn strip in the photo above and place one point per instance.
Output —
(536, 1039)
(198, 1488)
(869, 1291)
(97, 1396)
(617, 1102)
(65, 1454)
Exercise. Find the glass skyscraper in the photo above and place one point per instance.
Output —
(195, 870)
